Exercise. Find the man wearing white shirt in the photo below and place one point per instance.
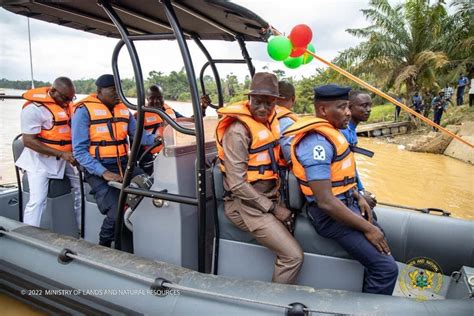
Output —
(45, 125)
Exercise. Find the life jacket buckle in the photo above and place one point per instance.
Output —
(349, 198)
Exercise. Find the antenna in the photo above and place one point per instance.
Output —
(31, 56)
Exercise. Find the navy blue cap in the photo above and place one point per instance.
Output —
(105, 81)
(331, 92)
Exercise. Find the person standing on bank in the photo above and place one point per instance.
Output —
(439, 105)
(360, 105)
(462, 83)
(101, 127)
(397, 108)
(417, 102)
(471, 92)
(45, 124)
(247, 140)
(325, 166)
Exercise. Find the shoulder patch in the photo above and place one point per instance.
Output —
(319, 153)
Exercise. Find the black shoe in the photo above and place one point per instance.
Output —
(105, 243)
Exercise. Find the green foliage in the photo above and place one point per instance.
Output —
(85, 86)
(411, 46)
(382, 113)
(21, 84)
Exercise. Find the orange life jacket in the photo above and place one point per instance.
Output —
(264, 149)
(59, 135)
(155, 124)
(107, 131)
(343, 172)
(282, 112)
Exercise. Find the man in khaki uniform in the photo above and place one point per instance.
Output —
(251, 174)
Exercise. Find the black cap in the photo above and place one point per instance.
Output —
(331, 92)
(105, 81)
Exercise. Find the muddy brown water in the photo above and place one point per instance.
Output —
(395, 175)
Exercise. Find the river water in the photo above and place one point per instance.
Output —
(395, 175)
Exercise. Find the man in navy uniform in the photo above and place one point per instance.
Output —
(320, 162)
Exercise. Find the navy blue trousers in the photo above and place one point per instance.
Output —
(460, 96)
(381, 271)
(107, 199)
(437, 116)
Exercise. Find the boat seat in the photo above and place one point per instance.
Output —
(306, 235)
(227, 230)
(58, 215)
(309, 239)
(88, 192)
(56, 187)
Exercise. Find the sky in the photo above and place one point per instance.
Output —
(60, 51)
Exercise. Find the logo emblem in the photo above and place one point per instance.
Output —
(319, 153)
(421, 279)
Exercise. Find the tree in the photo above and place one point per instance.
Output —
(401, 46)
(280, 73)
(457, 40)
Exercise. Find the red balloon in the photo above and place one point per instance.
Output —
(297, 51)
(301, 35)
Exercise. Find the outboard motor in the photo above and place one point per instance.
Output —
(58, 216)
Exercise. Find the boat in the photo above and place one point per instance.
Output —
(175, 252)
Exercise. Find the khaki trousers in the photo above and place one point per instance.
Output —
(271, 233)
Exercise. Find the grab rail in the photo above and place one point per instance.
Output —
(157, 285)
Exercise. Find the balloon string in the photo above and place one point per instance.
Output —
(383, 95)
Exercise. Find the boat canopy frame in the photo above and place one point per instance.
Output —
(126, 20)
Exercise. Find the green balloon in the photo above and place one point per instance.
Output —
(307, 58)
(279, 47)
(293, 62)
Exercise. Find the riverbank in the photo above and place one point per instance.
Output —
(459, 120)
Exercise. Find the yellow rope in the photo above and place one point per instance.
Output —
(389, 98)
(382, 94)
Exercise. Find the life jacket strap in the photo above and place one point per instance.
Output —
(109, 143)
(362, 151)
(342, 183)
(343, 155)
(54, 142)
(107, 120)
(261, 169)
